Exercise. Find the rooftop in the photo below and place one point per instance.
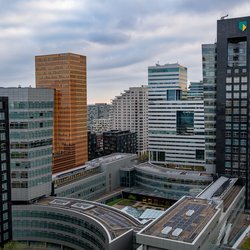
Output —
(115, 221)
(93, 164)
(183, 221)
(147, 166)
(223, 189)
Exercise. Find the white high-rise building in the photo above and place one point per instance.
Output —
(129, 111)
(175, 122)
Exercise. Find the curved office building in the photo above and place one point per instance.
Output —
(64, 223)
(156, 181)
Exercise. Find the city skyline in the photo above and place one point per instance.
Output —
(120, 39)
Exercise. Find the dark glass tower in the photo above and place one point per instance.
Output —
(233, 97)
(5, 194)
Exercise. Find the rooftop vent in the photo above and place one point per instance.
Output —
(166, 230)
(59, 202)
(189, 212)
(177, 232)
(83, 206)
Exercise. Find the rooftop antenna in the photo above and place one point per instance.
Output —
(223, 17)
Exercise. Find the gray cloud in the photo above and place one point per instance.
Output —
(120, 38)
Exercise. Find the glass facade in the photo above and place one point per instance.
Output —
(64, 228)
(66, 73)
(209, 85)
(169, 187)
(185, 122)
(31, 129)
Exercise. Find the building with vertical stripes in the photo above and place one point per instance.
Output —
(66, 74)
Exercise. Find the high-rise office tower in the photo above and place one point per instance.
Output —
(5, 192)
(66, 74)
(233, 98)
(176, 123)
(209, 86)
(129, 111)
(31, 127)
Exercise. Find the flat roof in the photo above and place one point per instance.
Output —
(93, 164)
(184, 227)
(147, 166)
(218, 188)
(115, 221)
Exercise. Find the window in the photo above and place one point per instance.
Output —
(229, 80)
(161, 156)
(236, 87)
(243, 86)
(236, 79)
(236, 95)
(199, 154)
(185, 122)
(228, 87)
(243, 94)
(244, 79)
(173, 95)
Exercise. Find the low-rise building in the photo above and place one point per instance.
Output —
(64, 223)
(95, 178)
(155, 182)
(197, 222)
(119, 141)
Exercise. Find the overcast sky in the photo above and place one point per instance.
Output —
(120, 38)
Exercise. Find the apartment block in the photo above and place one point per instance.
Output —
(129, 111)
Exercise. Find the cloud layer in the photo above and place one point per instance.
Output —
(120, 38)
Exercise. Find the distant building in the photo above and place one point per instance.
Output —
(129, 111)
(5, 191)
(119, 141)
(97, 111)
(101, 125)
(31, 128)
(176, 122)
(92, 145)
(209, 83)
(196, 90)
(66, 74)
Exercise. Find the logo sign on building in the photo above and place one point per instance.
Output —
(243, 25)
